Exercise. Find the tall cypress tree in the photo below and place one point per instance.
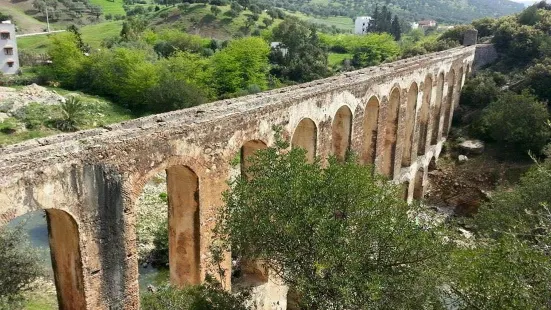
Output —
(396, 29)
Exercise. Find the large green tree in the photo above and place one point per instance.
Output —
(19, 267)
(301, 56)
(242, 64)
(341, 237)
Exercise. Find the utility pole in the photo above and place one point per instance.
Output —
(47, 19)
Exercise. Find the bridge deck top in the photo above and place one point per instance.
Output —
(32, 153)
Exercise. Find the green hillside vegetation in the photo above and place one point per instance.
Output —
(24, 22)
(93, 35)
(449, 11)
(112, 7)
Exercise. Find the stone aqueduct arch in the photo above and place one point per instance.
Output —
(89, 181)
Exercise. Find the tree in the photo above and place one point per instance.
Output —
(516, 120)
(243, 63)
(83, 47)
(68, 61)
(395, 28)
(184, 83)
(132, 28)
(96, 10)
(19, 267)
(301, 56)
(509, 267)
(341, 237)
(215, 10)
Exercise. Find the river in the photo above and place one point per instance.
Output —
(36, 228)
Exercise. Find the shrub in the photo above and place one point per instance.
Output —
(209, 296)
(456, 33)
(36, 115)
(479, 91)
(9, 125)
(72, 113)
(516, 120)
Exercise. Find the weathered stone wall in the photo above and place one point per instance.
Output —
(96, 176)
(485, 55)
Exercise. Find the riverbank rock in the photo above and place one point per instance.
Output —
(472, 146)
(462, 158)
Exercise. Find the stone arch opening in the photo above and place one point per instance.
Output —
(167, 228)
(183, 226)
(246, 272)
(391, 131)
(436, 111)
(247, 150)
(449, 104)
(341, 132)
(424, 116)
(370, 123)
(55, 235)
(419, 189)
(305, 136)
(411, 107)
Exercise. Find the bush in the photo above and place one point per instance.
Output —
(72, 114)
(456, 33)
(479, 91)
(517, 121)
(8, 126)
(209, 296)
(36, 115)
(19, 267)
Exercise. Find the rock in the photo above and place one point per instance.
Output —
(144, 265)
(472, 146)
(12, 100)
(3, 116)
(462, 158)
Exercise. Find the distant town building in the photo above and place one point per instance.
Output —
(9, 61)
(427, 23)
(414, 25)
(277, 45)
(361, 24)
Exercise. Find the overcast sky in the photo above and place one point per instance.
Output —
(526, 2)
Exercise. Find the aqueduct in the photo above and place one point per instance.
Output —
(395, 116)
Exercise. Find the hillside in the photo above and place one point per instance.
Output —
(448, 11)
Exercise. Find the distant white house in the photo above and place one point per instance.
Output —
(427, 23)
(361, 24)
(277, 45)
(414, 25)
(9, 60)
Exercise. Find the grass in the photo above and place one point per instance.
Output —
(341, 22)
(96, 112)
(336, 59)
(91, 34)
(110, 7)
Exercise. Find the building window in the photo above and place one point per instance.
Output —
(8, 50)
(10, 64)
(5, 35)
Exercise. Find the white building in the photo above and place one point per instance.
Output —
(361, 24)
(9, 60)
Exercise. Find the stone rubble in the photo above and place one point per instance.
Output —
(12, 100)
